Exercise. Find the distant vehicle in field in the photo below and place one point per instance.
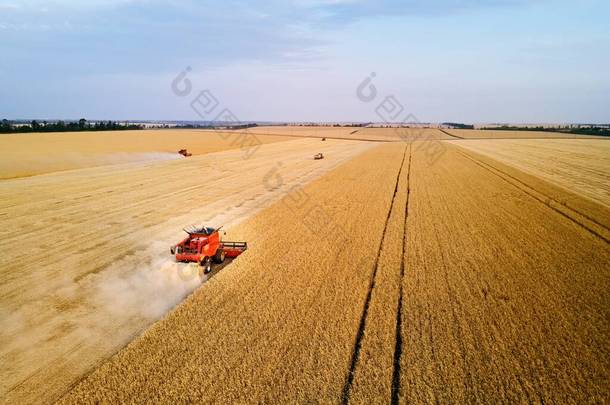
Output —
(318, 156)
(185, 153)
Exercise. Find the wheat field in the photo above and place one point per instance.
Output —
(373, 371)
(296, 314)
(100, 270)
(313, 131)
(467, 291)
(580, 165)
(399, 134)
(506, 134)
(38, 153)
(505, 299)
(434, 270)
(304, 202)
(352, 133)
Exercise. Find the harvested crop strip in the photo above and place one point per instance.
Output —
(23, 155)
(278, 325)
(505, 300)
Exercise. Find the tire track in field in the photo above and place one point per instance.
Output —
(450, 134)
(398, 340)
(579, 218)
(361, 327)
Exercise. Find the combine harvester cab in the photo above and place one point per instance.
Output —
(203, 245)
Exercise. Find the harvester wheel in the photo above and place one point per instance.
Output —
(207, 265)
(219, 257)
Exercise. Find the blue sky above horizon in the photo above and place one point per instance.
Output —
(302, 60)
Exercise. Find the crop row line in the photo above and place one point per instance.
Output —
(398, 339)
(362, 325)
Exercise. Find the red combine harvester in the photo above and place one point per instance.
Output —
(185, 153)
(204, 245)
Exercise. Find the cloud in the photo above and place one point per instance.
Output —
(146, 36)
(71, 4)
(115, 58)
(364, 8)
(150, 36)
(319, 3)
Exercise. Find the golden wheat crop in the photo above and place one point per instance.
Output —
(354, 133)
(36, 153)
(488, 312)
(84, 259)
(279, 324)
(313, 131)
(402, 134)
(501, 134)
(505, 299)
(393, 277)
(579, 165)
(374, 365)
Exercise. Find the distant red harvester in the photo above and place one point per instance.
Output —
(204, 245)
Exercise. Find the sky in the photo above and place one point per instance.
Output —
(485, 61)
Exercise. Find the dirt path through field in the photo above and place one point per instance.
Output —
(84, 254)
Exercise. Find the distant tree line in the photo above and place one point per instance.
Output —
(194, 126)
(592, 130)
(61, 126)
(214, 126)
(241, 126)
(336, 125)
(458, 125)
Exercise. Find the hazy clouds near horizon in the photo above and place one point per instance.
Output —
(443, 60)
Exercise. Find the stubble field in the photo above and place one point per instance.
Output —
(38, 153)
(398, 276)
